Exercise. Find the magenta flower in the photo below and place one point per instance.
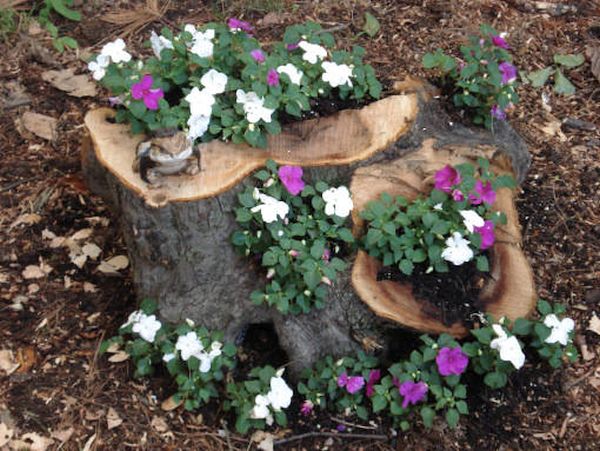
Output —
(498, 113)
(374, 377)
(114, 101)
(457, 195)
(509, 72)
(306, 408)
(340, 427)
(258, 55)
(446, 178)
(500, 42)
(326, 255)
(451, 361)
(291, 47)
(236, 24)
(352, 383)
(272, 77)
(143, 90)
(413, 392)
(483, 193)
(487, 234)
(291, 177)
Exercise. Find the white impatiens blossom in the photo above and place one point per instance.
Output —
(338, 202)
(560, 329)
(214, 82)
(471, 219)
(206, 358)
(116, 51)
(280, 395)
(147, 327)
(312, 52)
(337, 74)
(168, 357)
(201, 44)
(197, 126)
(159, 43)
(509, 347)
(133, 318)
(291, 71)
(201, 102)
(261, 411)
(457, 250)
(253, 106)
(438, 207)
(98, 66)
(271, 208)
(189, 345)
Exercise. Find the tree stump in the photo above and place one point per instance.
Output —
(178, 236)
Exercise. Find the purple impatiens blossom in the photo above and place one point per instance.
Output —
(258, 55)
(412, 392)
(483, 193)
(326, 255)
(291, 47)
(374, 377)
(508, 71)
(352, 383)
(451, 361)
(307, 407)
(272, 77)
(457, 195)
(487, 234)
(446, 178)
(498, 113)
(500, 42)
(143, 90)
(291, 178)
(236, 24)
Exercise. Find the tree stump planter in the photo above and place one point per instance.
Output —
(178, 236)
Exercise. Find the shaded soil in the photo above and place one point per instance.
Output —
(63, 316)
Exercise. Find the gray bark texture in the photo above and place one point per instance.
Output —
(181, 253)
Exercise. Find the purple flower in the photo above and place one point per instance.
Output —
(457, 195)
(446, 178)
(451, 361)
(374, 377)
(291, 47)
(352, 383)
(498, 113)
(236, 24)
(326, 255)
(483, 193)
(413, 392)
(340, 427)
(487, 234)
(142, 90)
(509, 72)
(306, 408)
(272, 77)
(291, 177)
(500, 42)
(258, 55)
(114, 101)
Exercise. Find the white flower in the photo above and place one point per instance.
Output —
(261, 408)
(253, 106)
(458, 250)
(133, 318)
(201, 44)
(159, 43)
(98, 66)
(560, 329)
(509, 347)
(146, 327)
(197, 126)
(168, 357)
(291, 71)
(337, 74)
(116, 51)
(438, 207)
(214, 82)
(206, 358)
(312, 52)
(189, 345)
(338, 202)
(201, 102)
(271, 208)
(471, 219)
(280, 395)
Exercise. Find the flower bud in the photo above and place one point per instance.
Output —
(270, 273)
(326, 281)
(307, 293)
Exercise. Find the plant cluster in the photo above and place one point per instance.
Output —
(453, 224)
(483, 80)
(219, 82)
(62, 8)
(298, 232)
(562, 85)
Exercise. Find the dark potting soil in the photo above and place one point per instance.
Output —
(454, 294)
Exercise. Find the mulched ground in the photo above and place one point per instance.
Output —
(63, 384)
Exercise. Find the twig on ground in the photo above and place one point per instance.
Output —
(354, 425)
(295, 438)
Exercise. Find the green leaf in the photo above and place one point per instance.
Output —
(61, 8)
(562, 85)
(569, 60)
(544, 307)
(429, 61)
(452, 417)
(427, 414)
(371, 26)
(462, 408)
(312, 279)
(379, 403)
(406, 266)
(539, 78)
(542, 331)
(482, 263)
(148, 306)
(495, 379)
(522, 326)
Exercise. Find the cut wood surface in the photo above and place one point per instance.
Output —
(510, 290)
(343, 138)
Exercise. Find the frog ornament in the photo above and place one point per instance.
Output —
(168, 152)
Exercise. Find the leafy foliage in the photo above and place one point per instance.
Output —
(562, 85)
(62, 8)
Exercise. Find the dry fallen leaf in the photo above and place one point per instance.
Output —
(74, 85)
(82, 234)
(159, 424)
(32, 442)
(89, 443)
(594, 324)
(170, 404)
(113, 419)
(40, 125)
(33, 272)
(593, 54)
(64, 435)
(91, 250)
(264, 440)
(27, 358)
(7, 361)
(5, 434)
(27, 218)
(89, 287)
(114, 264)
(553, 128)
(120, 356)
